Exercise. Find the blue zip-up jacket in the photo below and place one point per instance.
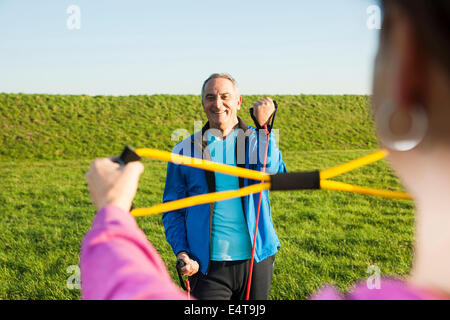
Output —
(189, 229)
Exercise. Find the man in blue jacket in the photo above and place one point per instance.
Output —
(215, 240)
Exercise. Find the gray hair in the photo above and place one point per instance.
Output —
(220, 75)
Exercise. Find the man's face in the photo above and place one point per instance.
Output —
(220, 102)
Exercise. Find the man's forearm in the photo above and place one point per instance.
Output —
(274, 162)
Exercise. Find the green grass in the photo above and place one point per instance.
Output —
(326, 236)
(49, 127)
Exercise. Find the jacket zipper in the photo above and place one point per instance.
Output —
(211, 211)
(205, 154)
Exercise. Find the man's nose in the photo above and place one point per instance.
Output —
(218, 102)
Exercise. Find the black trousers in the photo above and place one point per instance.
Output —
(227, 280)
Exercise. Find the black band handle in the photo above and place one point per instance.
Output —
(128, 155)
(295, 181)
(180, 264)
(257, 125)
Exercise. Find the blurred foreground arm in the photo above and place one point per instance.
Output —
(117, 260)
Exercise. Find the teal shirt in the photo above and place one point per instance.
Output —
(230, 236)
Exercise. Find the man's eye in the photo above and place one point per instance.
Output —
(226, 97)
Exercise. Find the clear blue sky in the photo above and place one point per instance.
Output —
(149, 47)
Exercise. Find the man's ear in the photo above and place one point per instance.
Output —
(410, 76)
(239, 103)
(203, 105)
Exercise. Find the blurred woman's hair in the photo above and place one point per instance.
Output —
(431, 22)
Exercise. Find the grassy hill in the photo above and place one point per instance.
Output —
(52, 127)
(47, 143)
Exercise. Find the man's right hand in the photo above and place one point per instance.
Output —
(263, 111)
(191, 266)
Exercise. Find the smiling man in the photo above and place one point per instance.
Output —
(215, 240)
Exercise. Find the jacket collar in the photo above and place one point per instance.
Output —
(204, 142)
(241, 124)
(210, 178)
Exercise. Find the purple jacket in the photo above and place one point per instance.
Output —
(390, 289)
(118, 262)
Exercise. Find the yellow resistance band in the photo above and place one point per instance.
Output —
(203, 164)
(256, 175)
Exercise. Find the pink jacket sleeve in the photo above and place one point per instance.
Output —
(118, 262)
